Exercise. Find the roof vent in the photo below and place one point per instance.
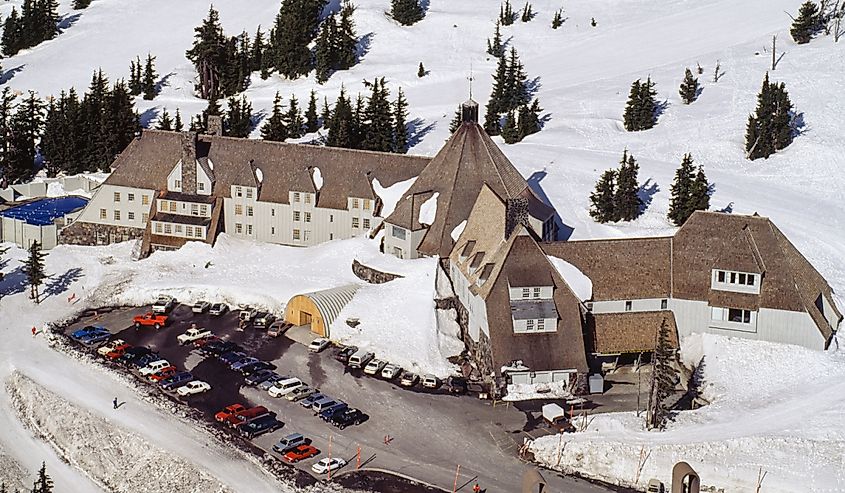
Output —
(469, 111)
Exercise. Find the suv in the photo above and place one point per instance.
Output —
(285, 387)
(344, 354)
(289, 442)
(154, 366)
(200, 307)
(164, 304)
(260, 426)
(228, 411)
(360, 359)
(263, 320)
(218, 309)
(347, 416)
(278, 328)
(240, 417)
(247, 314)
(176, 381)
(330, 411)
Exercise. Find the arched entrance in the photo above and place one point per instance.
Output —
(320, 308)
(685, 479)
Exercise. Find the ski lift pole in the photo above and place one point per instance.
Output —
(457, 473)
(330, 458)
(358, 463)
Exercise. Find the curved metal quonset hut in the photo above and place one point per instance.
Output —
(320, 308)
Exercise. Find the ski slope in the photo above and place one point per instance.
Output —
(583, 77)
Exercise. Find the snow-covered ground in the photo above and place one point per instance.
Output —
(787, 419)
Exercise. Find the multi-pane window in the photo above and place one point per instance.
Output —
(177, 183)
(355, 223)
(239, 191)
(249, 229)
(331, 218)
(130, 197)
(273, 230)
(117, 196)
(239, 228)
(145, 217)
(541, 324)
(239, 209)
(158, 227)
(307, 217)
(130, 215)
(296, 234)
(296, 215)
(179, 228)
(354, 203)
(173, 207)
(167, 228)
(198, 231)
(526, 292)
(195, 209)
(117, 215)
(103, 214)
(203, 210)
(739, 316)
(736, 278)
(145, 200)
(189, 231)
(272, 212)
(307, 198)
(201, 186)
(366, 223)
(249, 193)
(529, 324)
(249, 210)
(296, 196)
(536, 292)
(306, 235)
(366, 204)
(397, 232)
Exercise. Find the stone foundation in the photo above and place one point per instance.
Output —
(84, 233)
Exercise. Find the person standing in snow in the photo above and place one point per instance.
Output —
(34, 331)
(114, 403)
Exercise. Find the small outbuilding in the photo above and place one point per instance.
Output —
(39, 220)
(319, 308)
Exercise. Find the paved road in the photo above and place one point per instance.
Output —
(431, 433)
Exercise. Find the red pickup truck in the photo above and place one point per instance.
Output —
(228, 411)
(150, 320)
(246, 415)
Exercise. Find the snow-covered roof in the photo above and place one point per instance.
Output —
(578, 282)
(331, 301)
(428, 210)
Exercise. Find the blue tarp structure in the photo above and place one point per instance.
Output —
(44, 211)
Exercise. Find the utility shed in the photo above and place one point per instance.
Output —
(39, 220)
(319, 308)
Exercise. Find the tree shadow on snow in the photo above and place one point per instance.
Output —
(13, 282)
(163, 82)
(646, 193)
(363, 46)
(727, 209)
(799, 126)
(332, 7)
(564, 231)
(424, 5)
(10, 74)
(148, 117)
(60, 284)
(417, 130)
(67, 21)
(532, 87)
(660, 108)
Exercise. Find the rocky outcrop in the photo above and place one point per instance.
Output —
(371, 275)
(82, 233)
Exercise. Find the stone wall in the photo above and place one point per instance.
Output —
(83, 233)
(189, 162)
(371, 275)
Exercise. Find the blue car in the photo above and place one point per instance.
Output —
(145, 360)
(259, 376)
(96, 338)
(176, 380)
(237, 365)
(309, 401)
(232, 357)
(327, 413)
(91, 330)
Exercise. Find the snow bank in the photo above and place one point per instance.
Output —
(259, 175)
(117, 459)
(580, 284)
(428, 209)
(529, 391)
(391, 195)
(318, 178)
(456, 233)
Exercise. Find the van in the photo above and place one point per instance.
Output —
(289, 442)
(154, 367)
(360, 359)
(247, 314)
(263, 319)
(430, 382)
(322, 404)
(284, 387)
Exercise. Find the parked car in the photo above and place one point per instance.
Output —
(94, 339)
(150, 319)
(430, 381)
(154, 366)
(323, 466)
(200, 307)
(285, 387)
(176, 381)
(290, 442)
(239, 417)
(230, 410)
(654, 486)
(192, 335)
(193, 387)
(87, 331)
(391, 371)
(247, 360)
(309, 401)
(374, 367)
(360, 359)
(319, 344)
(164, 304)
(109, 346)
(258, 376)
(266, 384)
(247, 314)
(260, 426)
(457, 385)
(329, 411)
(321, 405)
(232, 357)
(278, 328)
(346, 417)
(300, 393)
(344, 353)
(218, 309)
(263, 320)
(223, 347)
(117, 352)
(300, 452)
(166, 372)
(247, 370)
(131, 355)
(409, 379)
(205, 340)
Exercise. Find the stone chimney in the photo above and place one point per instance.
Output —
(189, 162)
(516, 213)
(215, 125)
(469, 111)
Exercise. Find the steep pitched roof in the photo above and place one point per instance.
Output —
(629, 332)
(469, 160)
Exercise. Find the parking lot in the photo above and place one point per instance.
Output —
(420, 434)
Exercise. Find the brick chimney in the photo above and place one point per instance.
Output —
(189, 162)
(215, 125)
(516, 213)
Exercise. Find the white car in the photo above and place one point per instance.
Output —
(200, 307)
(107, 347)
(285, 387)
(164, 304)
(374, 367)
(154, 367)
(192, 335)
(218, 309)
(323, 466)
(193, 387)
(391, 371)
(430, 381)
(318, 344)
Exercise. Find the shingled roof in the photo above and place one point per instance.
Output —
(469, 160)
(346, 173)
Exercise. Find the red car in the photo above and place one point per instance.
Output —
(229, 411)
(246, 415)
(205, 340)
(300, 452)
(150, 320)
(117, 352)
(165, 372)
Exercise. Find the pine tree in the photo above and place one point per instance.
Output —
(7, 106)
(506, 16)
(341, 123)
(238, 119)
(699, 199)
(378, 131)
(325, 51)
(603, 197)
(510, 131)
(689, 88)
(256, 58)
(627, 203)
(38, 21)
(177, 122)
(11, 34)
(558, 19)
(421, 71)
(24, 132)
(647, 105)
(347, 42)
(34, 269)
(681, 188)
(311, 122)
(515, 93)
(135, 83)
(274, 127)
(496, 47)
(806, 24)
(529, 119)
(527, 13)
(81, 4)
(456, 122)
(165, 122)
(148, 87)
(400, 126)
(43, 484)
(406, 12)
(770, 128)
(293, 119)
(208, 54)
(294, 29)
(662, 380)
(325, 113)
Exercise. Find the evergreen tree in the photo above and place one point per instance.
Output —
(38, 21)
(347, 42)
(679, 205)
(11, 33)
(689, 88)
(256, 59)
(527, 13)
(341, 123)
(294, 29)
(311, 122)
(165, 122)
(662, 380)
(558, 19)
(641, 107)
(293, 119)
(406, 12)
(208, 54)
(34, 268)
(238, 119)
(120, 123)
(806, 24)
(378, 131)
(135, 77)
(400, 126)
(627, 203)
(506, 16)
(325, 113)
(496, 47)
(456, 122)
(24, 132)
(177, 122)
(515, 93)
(699, 192)
(529, 119)
(510, 131)
(495, 106)
(43, 484)
(274, 128)
(770, 128)
(7, 106)
(148, 87)
(421, 71)
(325, 51)
(81, 4)
(603, 197)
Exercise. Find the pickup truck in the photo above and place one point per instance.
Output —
(109, 346)
(192, 335)
(150, 320)
(164, 304)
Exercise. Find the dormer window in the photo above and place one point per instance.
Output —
(467, 250)
(742, 282)
(296, 196)
(249, 193)
(239, 192)
(201, 186)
